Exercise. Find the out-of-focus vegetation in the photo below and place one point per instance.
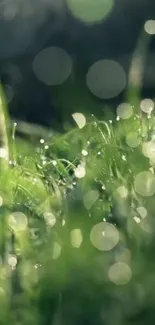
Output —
(77, 223)
(77, 229)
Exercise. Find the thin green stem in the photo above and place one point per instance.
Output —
(4, 145)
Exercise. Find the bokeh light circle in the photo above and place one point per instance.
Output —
(56, 251)
(124, 111)
(142, 212)
(120, 273)
(147, 105)
(149, 27)
(137, 219)
(148, 149)
(90, 198)
(52, 66)
(132, 139)
(3, 153)
(12, 261)
(90, 11)
(17, 221)
(49, 218)
(144, 183)
(76, 238)
(106, 79)
(104, 236)
(80, 119)
(122, 191)
(1, 201)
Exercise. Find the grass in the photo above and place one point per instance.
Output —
(59, 277)
(55, 269)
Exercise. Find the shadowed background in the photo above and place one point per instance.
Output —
(26, 28)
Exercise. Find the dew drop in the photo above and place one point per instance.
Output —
(80, 171)
(84, 153)
(54, 162)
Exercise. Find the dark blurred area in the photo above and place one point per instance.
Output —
(26, 28)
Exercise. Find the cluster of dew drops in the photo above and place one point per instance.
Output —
(104, 236)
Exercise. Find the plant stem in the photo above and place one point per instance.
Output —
(4, 146)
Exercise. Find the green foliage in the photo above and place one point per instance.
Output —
(51, 271)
